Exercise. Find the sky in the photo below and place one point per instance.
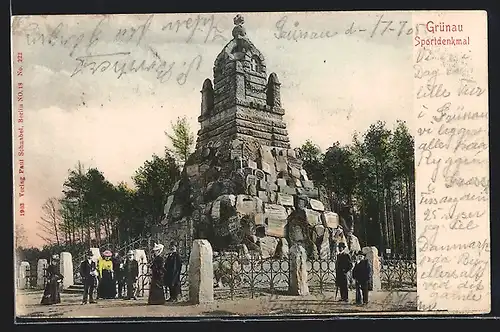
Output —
(331, 86)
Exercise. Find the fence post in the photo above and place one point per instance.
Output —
(24, 273)
(298, 270)
(40, 272)
(66, 269)
(371, 253)
(201, 273)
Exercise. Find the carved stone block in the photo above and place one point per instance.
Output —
(312, 217)
(246, 204)
(285, 199)
(281, 182)
(259, 174)
(252, 164)
(275, 227)
(294, 172)
(330, 219)
(251, 180)
(263, 185)
(275, 211)
(307, 184)
(316, 205)
(265, 167)
(263, 196)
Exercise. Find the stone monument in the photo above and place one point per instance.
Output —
(244, 184)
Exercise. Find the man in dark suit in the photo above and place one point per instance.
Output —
(173, 267)
(361, 273)
(131, 273)
(343, 266)
(88, 272)
(118, 270)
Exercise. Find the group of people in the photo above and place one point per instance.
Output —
(113, 277)
(352, 264)
(165, 275)
(108, 275)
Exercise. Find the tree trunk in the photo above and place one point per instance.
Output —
(401, 219)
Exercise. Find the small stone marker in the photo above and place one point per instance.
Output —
(40, 272)
(371, 253)
(298, 271)
(142, 259)
(201, 273)
(66, 269)
(24, 271)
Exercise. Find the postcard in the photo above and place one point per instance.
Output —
(250, 164)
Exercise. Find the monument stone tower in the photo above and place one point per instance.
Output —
(244, 185)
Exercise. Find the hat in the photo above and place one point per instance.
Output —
(90, 253)
(360, 253)
(342, 244)
(158, 248)
(55, 257)
(130, 252)
(107, 253)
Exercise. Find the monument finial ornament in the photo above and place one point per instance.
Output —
(238, 30)
(238, 20)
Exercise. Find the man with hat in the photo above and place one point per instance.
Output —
(361, 273)
(131, 273)
(342, 267)
(88, 272)
(173, 267)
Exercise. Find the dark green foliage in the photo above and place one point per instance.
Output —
(371, 181)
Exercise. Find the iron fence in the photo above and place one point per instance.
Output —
(398, 274)
(236, 275)
(321, 275)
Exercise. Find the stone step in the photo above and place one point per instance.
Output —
(76, 288)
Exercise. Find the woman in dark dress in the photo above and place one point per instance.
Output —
(107, 286)
(156, 288)
(52, 292)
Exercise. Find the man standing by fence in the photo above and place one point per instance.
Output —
(88, 272)
(361, 273)
(343, 266)
(173, 265)
(131, 273)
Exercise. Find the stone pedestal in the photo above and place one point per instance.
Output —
(201, 273)
(66, 269)
(142, 260)
(371, 253)
(298, 270)
(24, 272)
(40, 272)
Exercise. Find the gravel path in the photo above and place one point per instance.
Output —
(27, 305)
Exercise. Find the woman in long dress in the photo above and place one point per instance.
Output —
(107, 286)
(156, 287)
(52, 292)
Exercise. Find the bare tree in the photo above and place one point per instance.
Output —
(50, 221)
(19, 235)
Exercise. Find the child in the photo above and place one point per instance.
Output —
(361, 273)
